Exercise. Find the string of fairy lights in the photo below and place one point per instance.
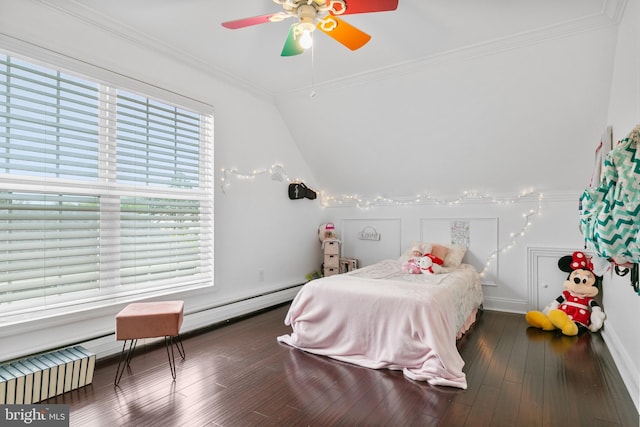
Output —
(277, 172)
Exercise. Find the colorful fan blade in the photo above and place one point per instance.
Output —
(291, 46)
(344, 33)
(367, 6)
(247, 22)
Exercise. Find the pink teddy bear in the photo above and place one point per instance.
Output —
(412, 264)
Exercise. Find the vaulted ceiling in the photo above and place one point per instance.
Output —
(448, 95)
(417, 30)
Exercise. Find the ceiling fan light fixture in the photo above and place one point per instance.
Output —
(307, 15)
(322, 14)
(306, 40)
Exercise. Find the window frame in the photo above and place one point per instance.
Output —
(103, 187)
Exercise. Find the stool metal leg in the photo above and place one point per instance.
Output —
(169, 342)
(180, 347)
(127, 359)
(127, 355)
(132, 348)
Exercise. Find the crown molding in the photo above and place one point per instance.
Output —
(105, 23)
(614, 9)
(608, 17)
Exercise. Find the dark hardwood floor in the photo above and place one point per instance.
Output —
(238, 375)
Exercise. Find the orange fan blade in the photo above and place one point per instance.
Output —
(343, 32)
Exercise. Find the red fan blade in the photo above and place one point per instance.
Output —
(343, 32)
(247, 22)
(367, 6)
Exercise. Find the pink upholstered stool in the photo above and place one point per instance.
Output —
(150, 320)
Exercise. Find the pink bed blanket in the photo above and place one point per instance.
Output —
(382, 317)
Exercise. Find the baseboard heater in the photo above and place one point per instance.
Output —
(43, 376)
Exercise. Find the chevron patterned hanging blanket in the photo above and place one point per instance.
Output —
(610, 213)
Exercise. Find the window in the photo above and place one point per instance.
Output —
(104, 192)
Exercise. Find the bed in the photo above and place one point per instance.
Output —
(381, 316)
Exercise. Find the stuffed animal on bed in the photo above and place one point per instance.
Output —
(412, 265)
(417, 264)
(575, 310)
(430, 264)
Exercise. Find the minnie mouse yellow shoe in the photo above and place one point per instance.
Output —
(563, 322)
(539, 320)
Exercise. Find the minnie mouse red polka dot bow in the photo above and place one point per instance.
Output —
(580, 261)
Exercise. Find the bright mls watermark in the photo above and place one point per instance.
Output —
(34, 415)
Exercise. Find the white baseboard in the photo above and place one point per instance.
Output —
(505, 304)
(625, 365)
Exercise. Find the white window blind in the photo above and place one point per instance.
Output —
(104, 192)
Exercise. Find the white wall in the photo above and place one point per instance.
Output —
(606, 77)
(257, 228)
(495, 117)
(622, 305)
(554, 92)
(555, 227)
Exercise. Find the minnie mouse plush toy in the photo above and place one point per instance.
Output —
(576, 310)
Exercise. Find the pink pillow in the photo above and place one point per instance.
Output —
(439, 251)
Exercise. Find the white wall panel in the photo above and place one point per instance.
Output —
(368, 251)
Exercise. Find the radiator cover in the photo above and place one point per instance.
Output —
(43, 376)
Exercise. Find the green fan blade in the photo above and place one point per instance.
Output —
(291, 46)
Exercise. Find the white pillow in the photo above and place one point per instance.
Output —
(426, 248)
(454, 256)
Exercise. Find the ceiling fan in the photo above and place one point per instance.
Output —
(320, 14)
